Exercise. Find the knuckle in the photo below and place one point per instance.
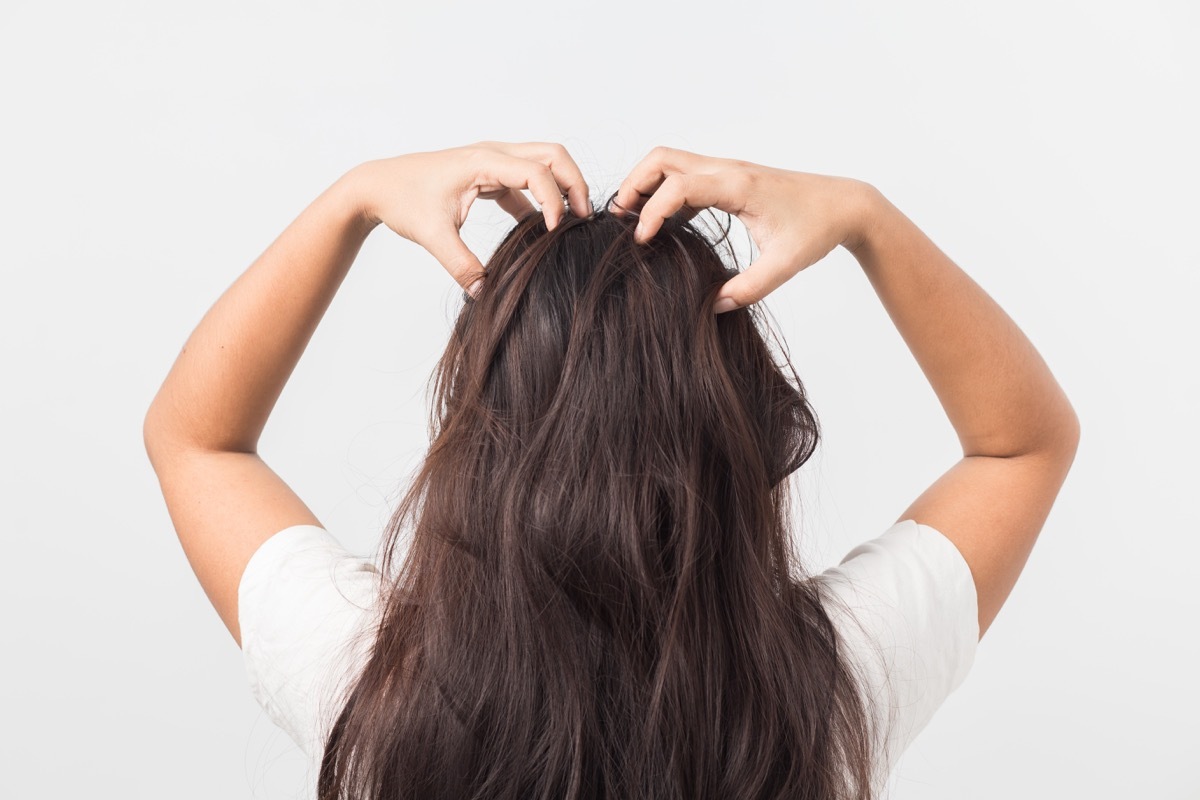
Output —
(751, 289)
(550, 152)
(675, 188)
(659, 153)
(742, 181)
(458, 268)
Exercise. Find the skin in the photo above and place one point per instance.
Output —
(1018, 431)
(202, 429)
(795, 218)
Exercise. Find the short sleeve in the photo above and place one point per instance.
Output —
(909, 616)
(305, 608)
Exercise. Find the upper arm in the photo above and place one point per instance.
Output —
(223, 505)
(993, 509)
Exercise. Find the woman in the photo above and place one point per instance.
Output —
(600, 599)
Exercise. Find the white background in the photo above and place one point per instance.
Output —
(150, 151)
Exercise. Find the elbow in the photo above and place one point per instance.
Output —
(151, 437)
(1066, 439)
(157, 437)
(1054, 433)
(166, 433)
(1074, 433)
(1075, 428)
(1070, 426)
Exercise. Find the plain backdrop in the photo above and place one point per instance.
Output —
(150, 152)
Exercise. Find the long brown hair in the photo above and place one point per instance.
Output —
(600, 599)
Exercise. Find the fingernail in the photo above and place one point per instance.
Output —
(725, 304)
(639, 232)
(473, 289)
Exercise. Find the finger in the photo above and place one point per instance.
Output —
(565, 171)
(697, 192)
(515, 203)
(649, 173)
(522, 173)
(752, 284)
(454, 255)
(562, 166)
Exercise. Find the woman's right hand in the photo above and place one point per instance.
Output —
(795, 218)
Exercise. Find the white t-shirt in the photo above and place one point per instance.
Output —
(307, 609)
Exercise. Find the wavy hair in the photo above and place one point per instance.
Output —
(600, 599)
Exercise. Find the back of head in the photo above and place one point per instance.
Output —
(600, 599)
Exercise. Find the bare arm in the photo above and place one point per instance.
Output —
(993, 385)
(1018, 431)
(201, 431)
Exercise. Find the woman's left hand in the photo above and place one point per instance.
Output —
(425, 197)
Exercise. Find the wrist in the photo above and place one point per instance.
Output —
(867, 205)
(354, 188)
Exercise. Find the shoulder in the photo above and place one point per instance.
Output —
(904, 604)
(307, 608)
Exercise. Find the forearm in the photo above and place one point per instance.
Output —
(233, 367)
(998, 393)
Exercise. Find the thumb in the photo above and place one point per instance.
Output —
(457, 259)
(751, 285)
